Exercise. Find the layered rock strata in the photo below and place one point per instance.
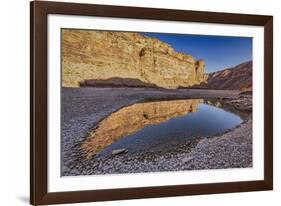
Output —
(102, 55)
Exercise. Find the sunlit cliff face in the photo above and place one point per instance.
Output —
(131, 119)
(102, 55)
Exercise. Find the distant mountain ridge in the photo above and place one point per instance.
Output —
(238, 77)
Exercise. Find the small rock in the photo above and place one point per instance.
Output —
(118, 151)
(187, 159)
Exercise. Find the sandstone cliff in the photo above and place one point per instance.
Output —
(131, 119)
(235, 78)
(88, 55)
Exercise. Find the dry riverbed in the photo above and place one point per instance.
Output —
(84, 108)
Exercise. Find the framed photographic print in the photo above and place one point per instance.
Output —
(131, 102)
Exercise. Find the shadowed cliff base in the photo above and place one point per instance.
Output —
(236, 78)
(116, 82)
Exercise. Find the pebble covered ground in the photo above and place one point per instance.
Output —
(83, 108)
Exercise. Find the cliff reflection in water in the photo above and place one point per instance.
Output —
(131, 119)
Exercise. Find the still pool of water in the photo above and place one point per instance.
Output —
(158, 126)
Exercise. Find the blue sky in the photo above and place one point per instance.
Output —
(219, 52)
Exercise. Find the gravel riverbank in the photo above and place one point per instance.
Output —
(84, 108)
(230, 150)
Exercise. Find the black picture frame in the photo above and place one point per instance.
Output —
(38, 108)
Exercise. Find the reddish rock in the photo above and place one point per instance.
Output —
(235, 78)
